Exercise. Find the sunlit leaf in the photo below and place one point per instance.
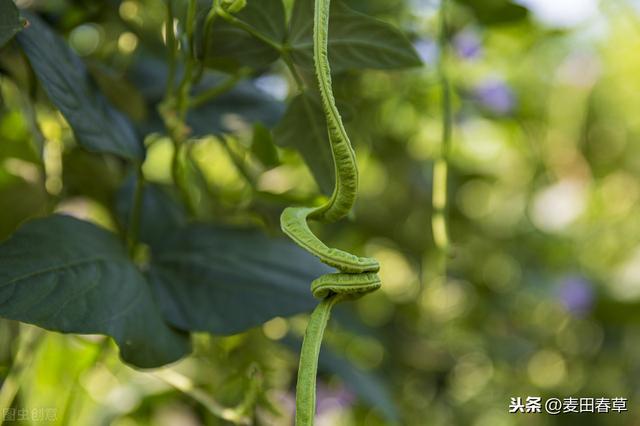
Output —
(67, 275)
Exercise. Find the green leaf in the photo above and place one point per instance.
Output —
(356, 41)
(226, 280)
(262, 146)
(67, 275)
(97, 125)
(245, 101)
(494, 12)
(9, 21)
(303, 128)
(230, 47)
(19, 200)
(162, 214)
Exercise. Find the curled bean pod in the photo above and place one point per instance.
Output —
(357, 276)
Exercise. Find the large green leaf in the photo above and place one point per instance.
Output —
(97, 125)
(303, 127)
(356, 40)
(226, 280)
(9, 21)
(67, 275)
(230, 46)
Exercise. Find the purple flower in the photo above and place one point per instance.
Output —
(467, 44)
(576, 294)
(495, 95)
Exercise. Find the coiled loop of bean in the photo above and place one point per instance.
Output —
(358, 275)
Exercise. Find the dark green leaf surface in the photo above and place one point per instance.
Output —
(303, 128)
(226, 280)
(9, 21)
(97, 125)
(231, 47)
(493, 12)
(262, 146)
(356, 41)
(67, 275)
(161, 214)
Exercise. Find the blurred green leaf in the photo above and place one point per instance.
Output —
(244, 101)
(15, 137)
(91, 175)
(356, 41)
(9, 21)
(230, 47)
(19, 200)
(226, 280)
(122, 94)
(97, 125)
(492, 12)
(262, 146)
(67, 275)
(303, 128)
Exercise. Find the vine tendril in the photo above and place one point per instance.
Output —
(357, 276)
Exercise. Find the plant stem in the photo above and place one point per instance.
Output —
(439, 221)
(29, 341)
(172, 47)
(186, 386)
(208, 25)
(212, 93)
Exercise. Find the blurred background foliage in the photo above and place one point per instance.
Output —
(539, 294)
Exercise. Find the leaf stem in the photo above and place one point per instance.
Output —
(213, 92)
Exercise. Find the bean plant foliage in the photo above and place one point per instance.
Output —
(173, 261)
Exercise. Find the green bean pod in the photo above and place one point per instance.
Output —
(357, 276)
